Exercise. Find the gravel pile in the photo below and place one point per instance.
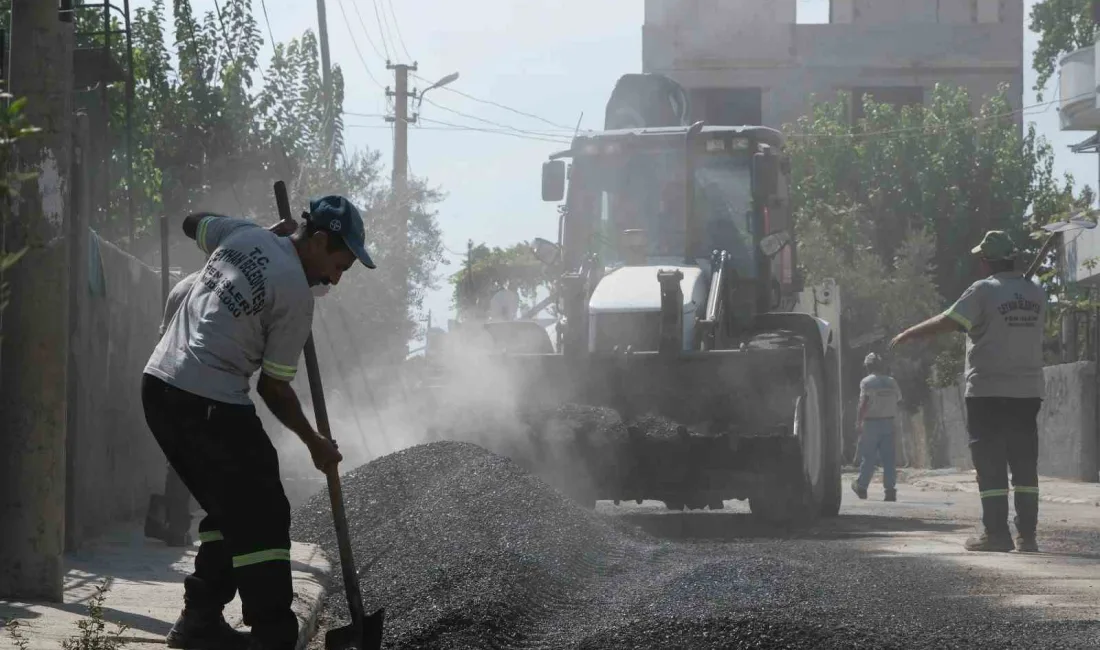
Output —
(466, 550)
(463, 547)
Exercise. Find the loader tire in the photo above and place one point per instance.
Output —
(801, 498)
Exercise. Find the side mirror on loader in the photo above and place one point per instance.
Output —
(765, 177)
(775, 242)
(553, 180)
(546, 251)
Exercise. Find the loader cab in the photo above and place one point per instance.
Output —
(626, 202)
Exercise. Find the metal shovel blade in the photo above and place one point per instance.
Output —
(364, 636)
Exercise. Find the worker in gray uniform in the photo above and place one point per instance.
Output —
(1003, 316)
(879, 396)
(250, 311)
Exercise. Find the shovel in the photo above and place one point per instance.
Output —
(365, 632)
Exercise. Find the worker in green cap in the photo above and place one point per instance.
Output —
(1003, 316)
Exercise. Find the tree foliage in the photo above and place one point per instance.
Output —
(1063, 26)
(213, 131)
(892, 205)
(490, 270)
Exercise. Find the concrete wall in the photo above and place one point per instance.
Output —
(887, 43)
(1067, 423)
(114, 461)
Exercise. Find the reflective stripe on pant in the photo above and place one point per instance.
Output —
(1004, 436)
(876, 446)
(225, 459)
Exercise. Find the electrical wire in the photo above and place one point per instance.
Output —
(397, 28)
(501, 106)
(381, 32)
(463, 127)
(267, 20)
(355, 44)
(366, 32)
(492, 123)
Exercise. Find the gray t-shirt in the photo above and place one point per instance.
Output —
(175, 299)
(250, 308)
(882, 394)
(1003, 316)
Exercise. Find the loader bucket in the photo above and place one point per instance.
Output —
(691, 429)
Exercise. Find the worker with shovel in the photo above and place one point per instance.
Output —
(1003, 316)
(251, 309)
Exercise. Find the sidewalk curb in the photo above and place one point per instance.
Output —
(309, 595)
(973, 489)
(308, 624)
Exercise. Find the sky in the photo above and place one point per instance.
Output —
(553, 64)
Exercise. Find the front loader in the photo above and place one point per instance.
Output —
(680, 305)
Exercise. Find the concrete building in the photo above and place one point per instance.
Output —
(753, 61)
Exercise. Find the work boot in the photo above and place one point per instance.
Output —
(205, 631)
(860, 491)
(1027, 543)
(891, 494)
(996, 543)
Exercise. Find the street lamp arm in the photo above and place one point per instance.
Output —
(439, 84)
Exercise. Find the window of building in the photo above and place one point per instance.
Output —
(897, 96)
(727, 106)
(812, 12)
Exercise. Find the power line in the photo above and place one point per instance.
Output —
(502, 106)
(397, 28)
(270, 34)
(491, 122)
(463, 127)
(448, 126)
(355, 44)
(381, 32)
(366, 32)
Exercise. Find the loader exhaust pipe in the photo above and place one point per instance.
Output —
(689, 192)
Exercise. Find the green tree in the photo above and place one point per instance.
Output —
(214, 131)
(1063, 26)
(490, 270)
(890, 206)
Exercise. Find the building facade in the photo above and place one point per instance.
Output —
(756, 62)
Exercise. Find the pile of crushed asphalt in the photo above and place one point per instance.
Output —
(467, 550)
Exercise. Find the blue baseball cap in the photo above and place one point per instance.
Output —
(337, 215)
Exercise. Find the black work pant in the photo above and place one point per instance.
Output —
(225, 459)
(1004, 434)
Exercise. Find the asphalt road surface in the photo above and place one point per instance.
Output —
(894, 572)
(466, 551)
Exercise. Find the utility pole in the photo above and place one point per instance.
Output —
(326, 83)
(33, 397)
(401, 121)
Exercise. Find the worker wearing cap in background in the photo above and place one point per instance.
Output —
(1003, 316)
(250, 309)
(879, 396)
